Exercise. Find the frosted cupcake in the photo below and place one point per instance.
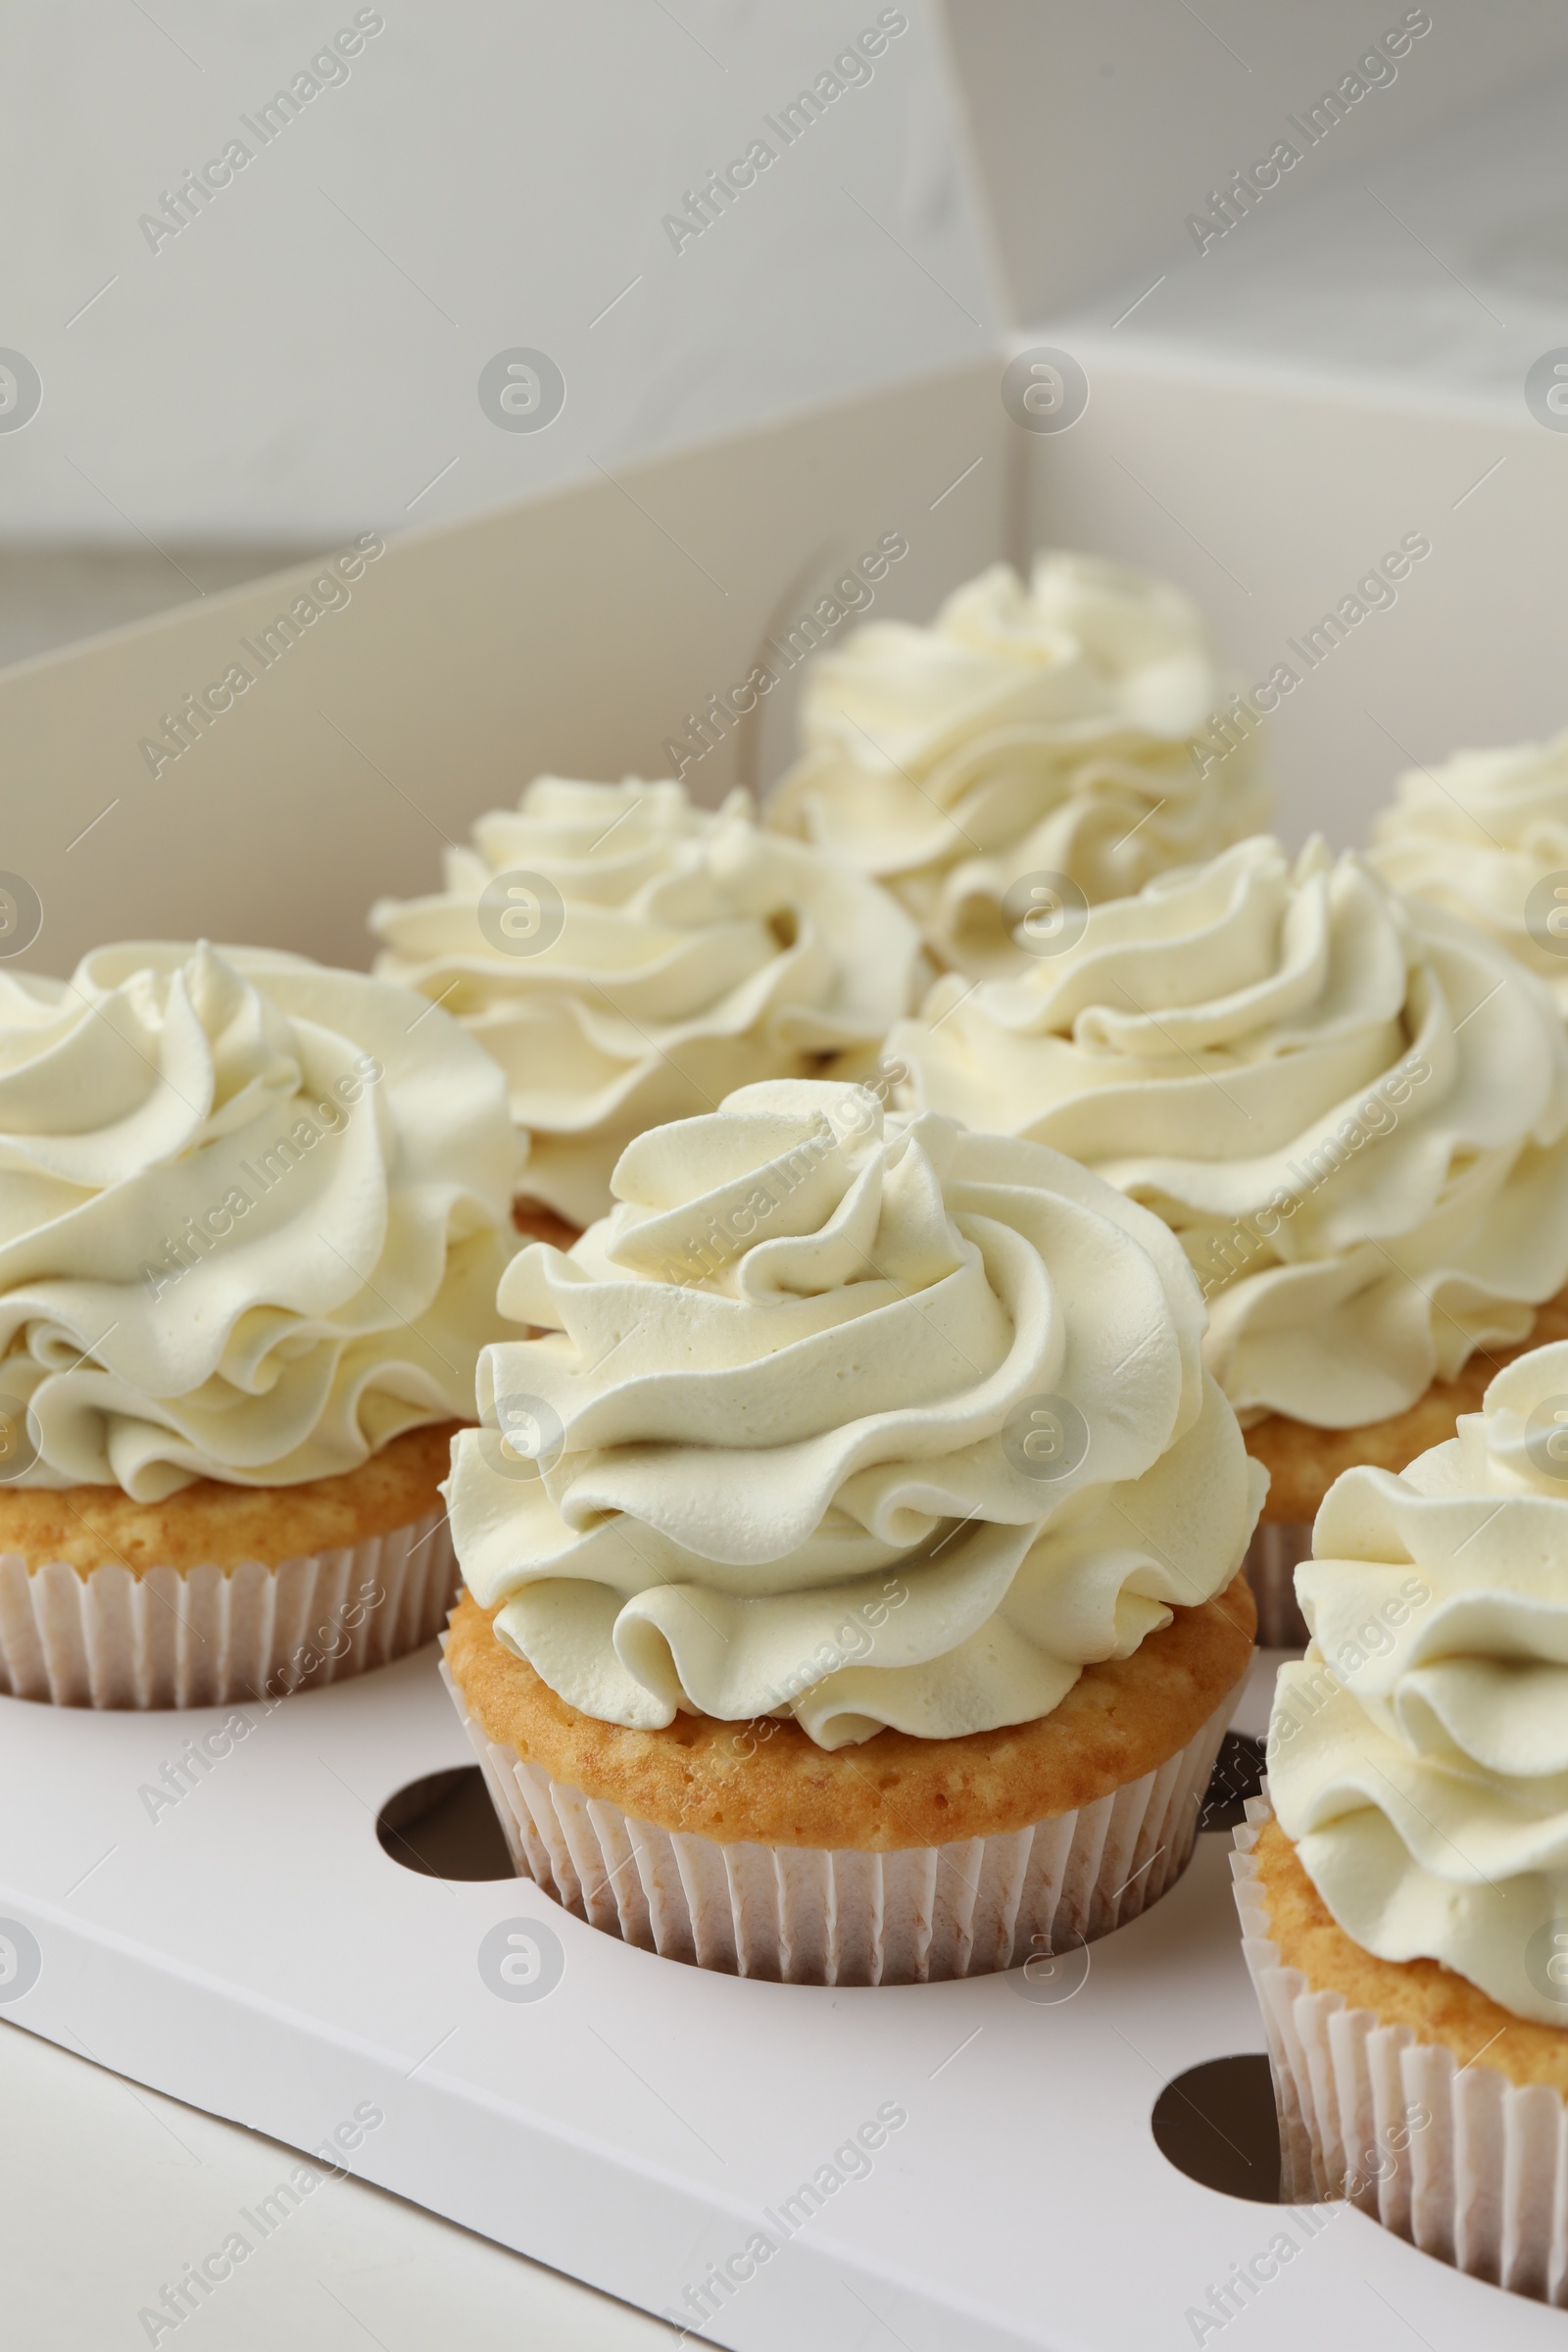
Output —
(628, 958)
(850, 1564)
(253, 1213)
(1073, 731)
(1485, 835)
(1405, 1903)
(1350, 1107)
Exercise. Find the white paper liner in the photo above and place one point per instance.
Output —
(205, 1637)
(1270, 1565)
(807, 1915)
(1483, 2185)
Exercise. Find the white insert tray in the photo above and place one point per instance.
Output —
(252, 1950)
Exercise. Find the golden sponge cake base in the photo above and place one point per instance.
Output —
(1438, 2006)
(1302, 1463)
(211, 1523)
(1122, 1719)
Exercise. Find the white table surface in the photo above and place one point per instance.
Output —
(108, 2189)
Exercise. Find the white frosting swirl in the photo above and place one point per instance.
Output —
(1418, 1754)
(776, 1416)
(1056, 728)
(695, 953)
(1351, 1107)
(252, 1216)
(1479, 835)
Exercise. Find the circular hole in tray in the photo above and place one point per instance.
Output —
(445, 1826)
(1238, 1774)
(1216, 2123)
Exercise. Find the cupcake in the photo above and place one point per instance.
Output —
(628, 958)
(253, 1215)
(1485, 835)
(1351, 1109)
(1404, 1886)
(851, 1556)
(1039, 746)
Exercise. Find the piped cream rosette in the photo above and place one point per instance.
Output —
(253, 1213)
(1418, 1755)
(1404, 1905)
(657, 954)
(815, 1358)
(1349, 1107)
(1056, 728)
(1485, 835)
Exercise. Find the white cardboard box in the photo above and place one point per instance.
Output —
(577, 632)
(571, 634)
(254, 1951)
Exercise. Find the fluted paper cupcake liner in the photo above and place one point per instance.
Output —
(1270, 1566)
(209, 1636)
(807, 1915)
(1462, 2162)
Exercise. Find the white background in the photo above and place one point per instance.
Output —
(302, 359)
(107, 2191)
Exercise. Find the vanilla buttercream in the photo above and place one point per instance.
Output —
(1061, 726)
(680, 953)
(1485, 835)
(253, 1213)
(1418, 1754)
(1349, 1105)
(854, 1418)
